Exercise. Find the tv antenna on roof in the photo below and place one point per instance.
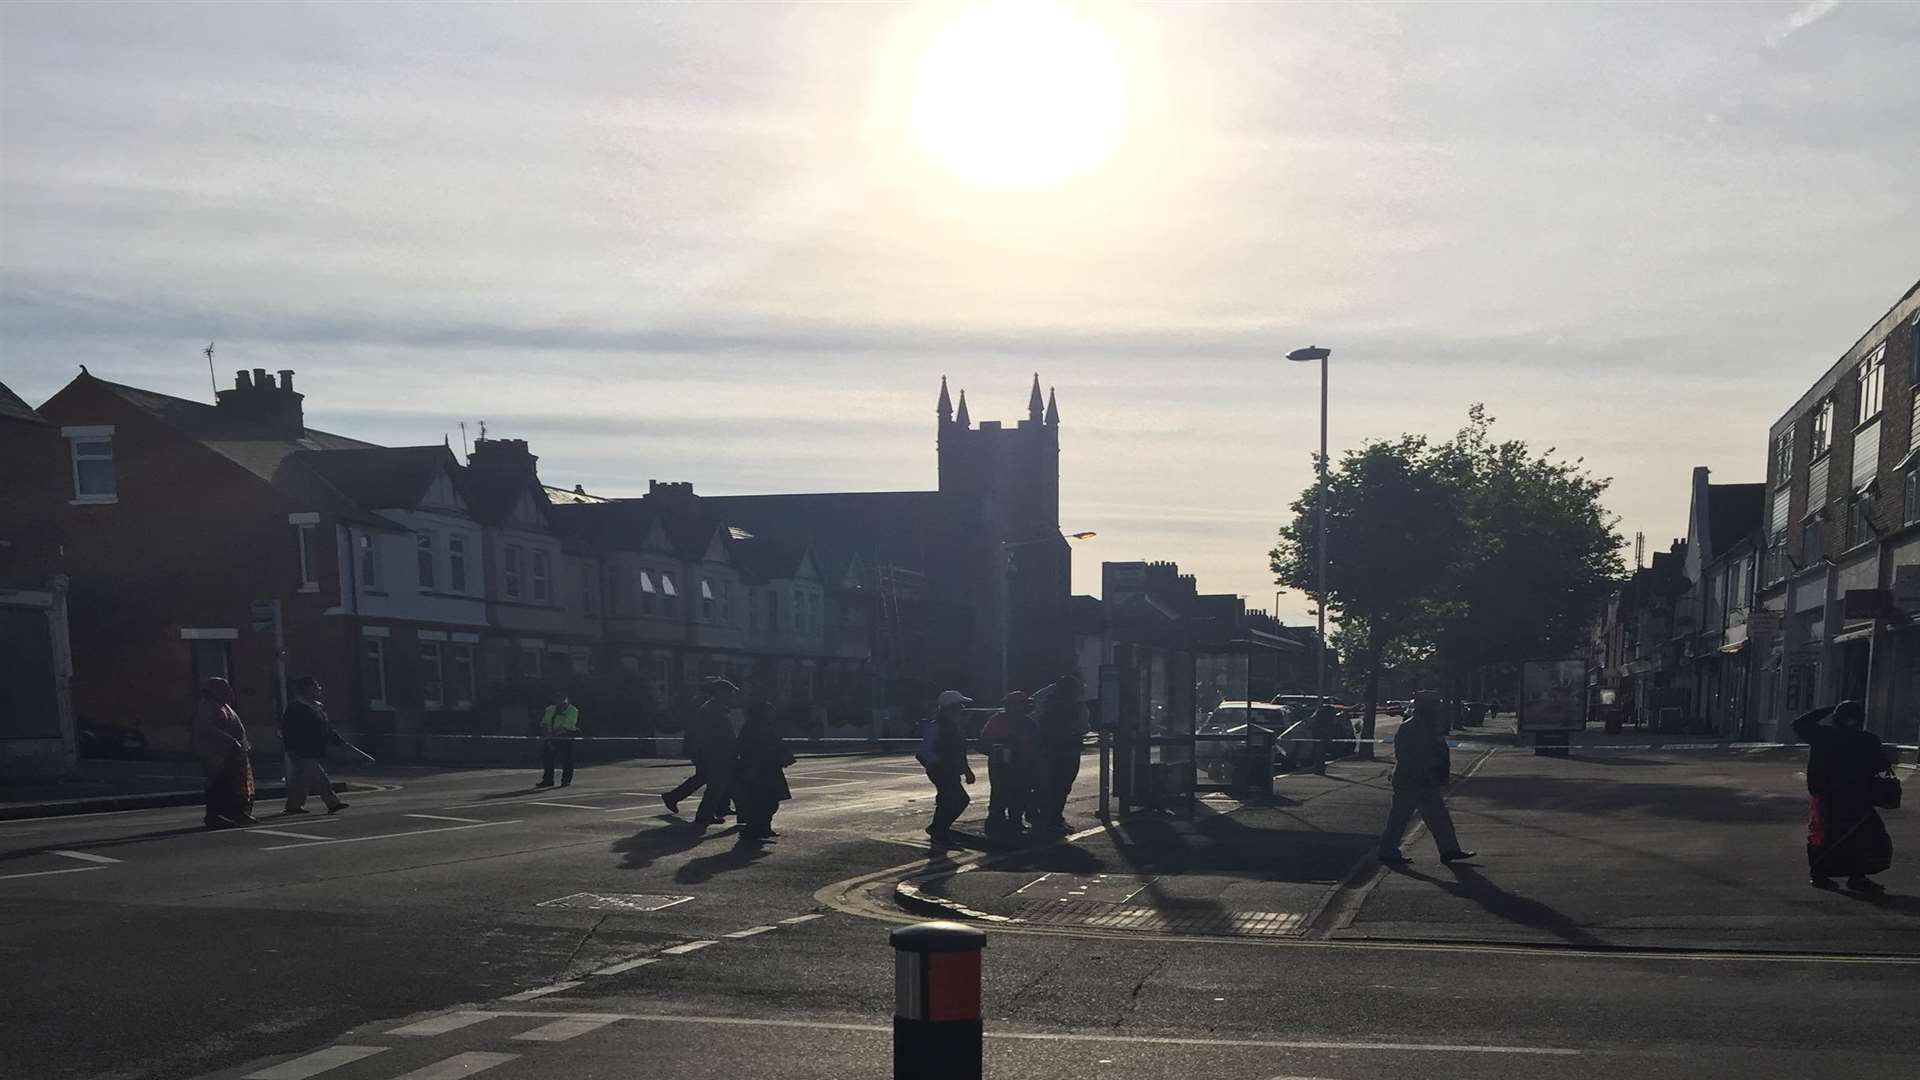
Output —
(211, 379)
(463, 439)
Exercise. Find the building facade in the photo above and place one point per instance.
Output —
(1841, 572)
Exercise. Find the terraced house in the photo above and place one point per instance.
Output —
(233, 540)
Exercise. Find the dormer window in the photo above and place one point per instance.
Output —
(92, 453)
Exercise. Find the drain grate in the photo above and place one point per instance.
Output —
(1166, 920)
(586, 901)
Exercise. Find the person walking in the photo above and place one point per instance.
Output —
(1001, 740)
(943, 753)
(714, 751)
(760, 777)
(559, 726)
(685, 789)
(1063, 729)
(1421, 769)
(1844, 832)
(220, 742)
(306, 733)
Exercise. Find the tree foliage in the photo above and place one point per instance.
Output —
(1468, 553)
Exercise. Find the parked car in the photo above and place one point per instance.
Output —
(99, 739)
(1223, 742)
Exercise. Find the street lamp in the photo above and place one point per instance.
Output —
(1007, 548)
(1307, 355)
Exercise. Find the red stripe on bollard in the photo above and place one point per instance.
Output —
(953, 986)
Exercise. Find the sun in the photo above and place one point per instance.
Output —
(1019, 95)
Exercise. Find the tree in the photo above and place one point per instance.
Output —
(1392, 530)
(1538, 552)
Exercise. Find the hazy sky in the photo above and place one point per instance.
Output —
(703, 242)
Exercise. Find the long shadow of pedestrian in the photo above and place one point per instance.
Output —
(118, 841)
(642, 849)
(1905, 905)
(1522, 910)
(514, 794)
(706, 867)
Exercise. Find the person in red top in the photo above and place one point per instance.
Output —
(1008, 743)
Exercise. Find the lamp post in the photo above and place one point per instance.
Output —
(1007, 548)
(1308, 354)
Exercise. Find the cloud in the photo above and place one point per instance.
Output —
(1804, 16)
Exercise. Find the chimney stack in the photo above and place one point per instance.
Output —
(256, 405)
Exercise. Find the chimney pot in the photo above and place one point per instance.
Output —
(242, 381)
(261, 380)
(286, 378)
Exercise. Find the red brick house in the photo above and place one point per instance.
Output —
(186, 524)
(37, 735)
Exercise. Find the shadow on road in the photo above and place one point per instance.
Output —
(642, 849)
(1469, 883)
(705, 868)
(1687, 802)
(118, 841)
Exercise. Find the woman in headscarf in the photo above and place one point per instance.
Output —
(1844, 832)
(220, 741)
(759, 775)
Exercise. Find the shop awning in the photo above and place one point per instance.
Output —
(1860, 634)
(1733, 648)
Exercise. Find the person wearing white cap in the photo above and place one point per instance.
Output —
(943, 753)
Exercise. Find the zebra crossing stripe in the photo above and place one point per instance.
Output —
(440, 1025)
(562, 1030)
(460, 1065)
(314, 1064)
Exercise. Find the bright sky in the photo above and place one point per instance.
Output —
(739, 244)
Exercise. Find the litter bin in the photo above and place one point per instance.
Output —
(1255, 767)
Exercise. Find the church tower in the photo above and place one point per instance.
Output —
(1001, 488)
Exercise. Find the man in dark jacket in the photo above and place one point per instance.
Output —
(306, 733)
(714, 749)
(1421, 769)
(943, 753)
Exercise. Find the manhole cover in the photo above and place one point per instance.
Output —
(587, 901)
(1165, 920)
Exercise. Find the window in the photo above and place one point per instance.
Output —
(373, 670)
(799, 610)
(460, 674)
(540, 568)
(1860, 520)
(432, 683)
(369, 563)
(726, 603)
(773, 610)
(1910, 497)
(529, 660)
(582, 662)
(1873, 384)
(1811, 550)
(669, 594)
(1822, 427)
(706, 599)
(92, 448)
(647, 592)
(510, 558)
(309, 557)
(586, 587)
(423, 542)
(1783, 457)
(457, 562)
(616, 602)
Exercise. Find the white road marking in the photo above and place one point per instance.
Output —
(49, 873)
(564, 1029)
(386, 836)
(750, 931)
(644, 794)
(459, 1065)
(1078, 1037)
(803, 918)
(444, 817)
(283, 832)
(84, 856)
(529, 995)
(628, 966)
(691, 946)
(315, 1063)
(569, 805)
(440, 1025)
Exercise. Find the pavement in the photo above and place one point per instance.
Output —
(458, 923)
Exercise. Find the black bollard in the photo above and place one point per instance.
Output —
(937, 1032)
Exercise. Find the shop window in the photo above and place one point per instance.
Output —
(1910, 497)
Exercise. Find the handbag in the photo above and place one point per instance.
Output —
(1884, 791)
